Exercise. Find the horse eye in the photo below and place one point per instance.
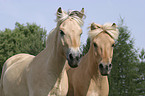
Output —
(113, 45)
(61, 33)
(95, 45)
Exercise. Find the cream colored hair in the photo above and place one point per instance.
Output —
(110, 28)
(76, 15)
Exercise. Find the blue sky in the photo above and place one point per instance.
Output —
(42, 12)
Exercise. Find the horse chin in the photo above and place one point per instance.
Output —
(73, 64)
(105, 73)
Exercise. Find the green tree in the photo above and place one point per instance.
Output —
(85, 48)
(140, 81)
(125, 60)
(142, 55)
(23, 39)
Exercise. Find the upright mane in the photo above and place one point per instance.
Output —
(50, 38)
(109, 28)
(76, 15)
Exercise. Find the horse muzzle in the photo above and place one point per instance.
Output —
(105, 69)
(73, 58)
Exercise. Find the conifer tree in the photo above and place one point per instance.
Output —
(125, 60)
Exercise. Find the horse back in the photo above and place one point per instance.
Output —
(12, 60)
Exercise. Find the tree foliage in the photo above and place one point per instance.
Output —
(140, 81)
(125, 60)
(23, 39)
(142, 55)
(86, 47)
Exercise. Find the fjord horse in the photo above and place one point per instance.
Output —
(61, 86)
(90, 77)
(28, 75)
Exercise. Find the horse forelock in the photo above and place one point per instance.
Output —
(107, 27)
(73, 14)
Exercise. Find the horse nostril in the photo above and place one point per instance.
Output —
(106, 67)
(77, 58)
(110, 65)
(70, 56)
(101, 66)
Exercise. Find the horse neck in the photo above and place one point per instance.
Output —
(51, 57)
(56, 58)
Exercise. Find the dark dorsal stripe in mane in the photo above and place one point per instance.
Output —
(76, 15)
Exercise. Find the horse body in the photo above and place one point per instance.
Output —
(36, 75)
(18, 81)
(47, 74)
(90, 78)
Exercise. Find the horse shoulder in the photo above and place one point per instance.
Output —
(93, 89)
(61, 86)
(98, 87)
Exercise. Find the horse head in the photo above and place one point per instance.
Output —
(69, 27)
(103, 40)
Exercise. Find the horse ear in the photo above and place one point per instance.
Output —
(59, 10)
(93, 26)
(114, 25)
(82, 11)
(81, 15)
